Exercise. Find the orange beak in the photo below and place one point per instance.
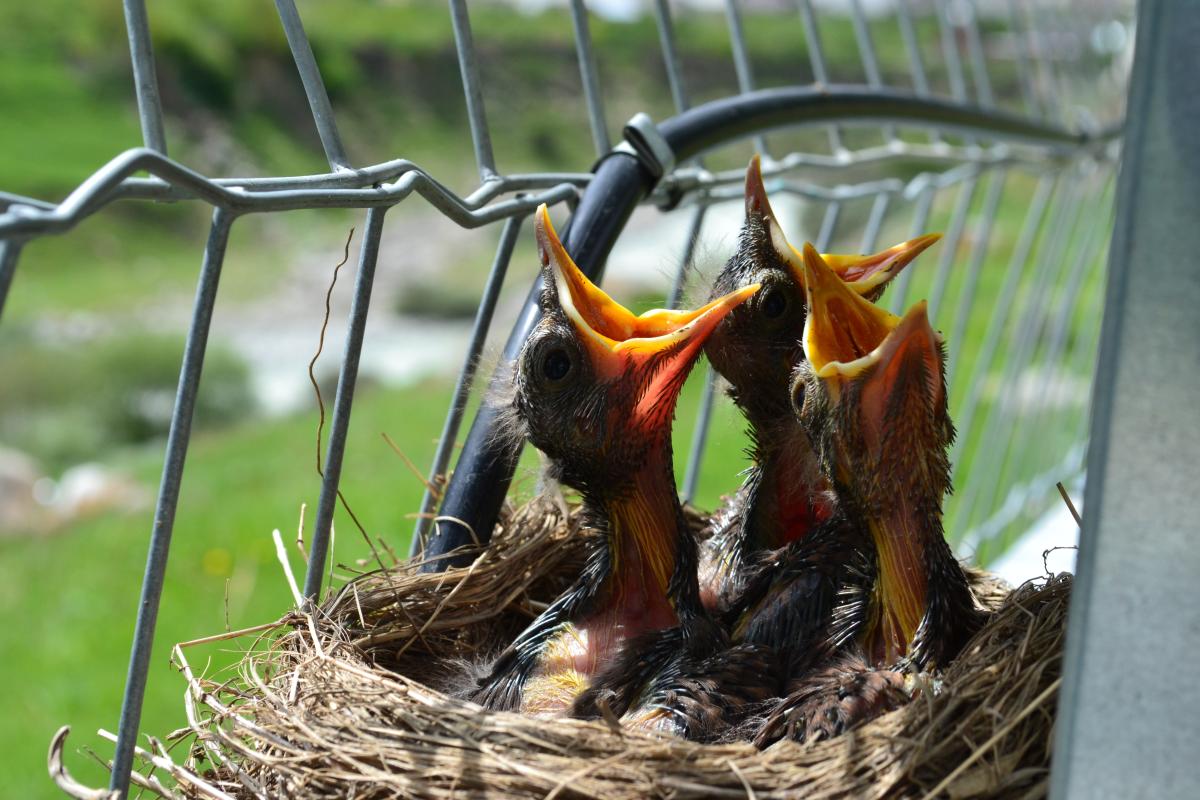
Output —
(660, 344)
(846, 337)
(866, 275)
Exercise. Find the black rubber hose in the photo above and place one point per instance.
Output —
(485, 467)
(721, 121)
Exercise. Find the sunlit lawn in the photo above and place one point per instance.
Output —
(70, 598)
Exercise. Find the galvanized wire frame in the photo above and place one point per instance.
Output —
(1049, 263)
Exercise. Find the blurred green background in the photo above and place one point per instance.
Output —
(93, 328)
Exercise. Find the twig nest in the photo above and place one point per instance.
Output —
(350, 702)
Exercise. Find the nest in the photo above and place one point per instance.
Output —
(345, 703)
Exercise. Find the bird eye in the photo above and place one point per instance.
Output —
(775, 303)
(556, 364)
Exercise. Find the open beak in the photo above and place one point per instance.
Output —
(867, 275)
(842, 329)
(847, 337)
(664, 342)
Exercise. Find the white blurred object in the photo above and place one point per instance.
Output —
(90, 489)
(19, 510)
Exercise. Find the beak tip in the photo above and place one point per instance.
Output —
(756, 192)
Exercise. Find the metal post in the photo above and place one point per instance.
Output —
(1128, 720)
(168, 498)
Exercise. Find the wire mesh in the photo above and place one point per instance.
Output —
(1015, 286)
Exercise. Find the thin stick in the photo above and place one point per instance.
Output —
(1070, 506)
(300, 533)
(750, 795)
(220, 637)
(281, 554)
(312, 365)
(411, 466)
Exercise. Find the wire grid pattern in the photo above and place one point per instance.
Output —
(1019, 270)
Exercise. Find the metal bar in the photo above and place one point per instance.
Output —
(685, 261)
(866, 51)
(954, 70)
(466, 376)
(979, 69)
(879, 209)
(587, 72)
(99, 187)
(912, 47)
(816, 57)
(828, 225)
(314, 86)
(1021, 49)
(332, 473)
(1045, 78)
(168, 498)
(666, 38)
(741, 59)
(464, 43)
(10, 251)
(262, 194)
(145, 79)
(949, 245)
(691, 477)
(1134, 615)
(979, 248)
(920, 218)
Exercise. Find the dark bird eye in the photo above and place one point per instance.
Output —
(556, 364)
(775, 303)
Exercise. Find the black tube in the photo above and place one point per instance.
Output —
(485, 467)
(721, 121)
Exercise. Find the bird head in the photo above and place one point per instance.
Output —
(871, 394)
(596, 385)
(757, 346)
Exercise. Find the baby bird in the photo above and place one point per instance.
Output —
(755, 349)
(871, 394)
(595, 390)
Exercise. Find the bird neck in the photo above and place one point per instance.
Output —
(900, 594)
(646, 533)
(788, 497)
(901, 510)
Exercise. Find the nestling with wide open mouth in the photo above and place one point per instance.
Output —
(872, 396)
(595, 391)
(756, 348)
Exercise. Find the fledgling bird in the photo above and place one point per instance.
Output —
(595, 390)
(871, 393)
(756, 348)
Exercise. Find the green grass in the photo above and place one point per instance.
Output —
(77, 589)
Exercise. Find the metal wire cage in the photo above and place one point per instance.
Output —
(995, 124)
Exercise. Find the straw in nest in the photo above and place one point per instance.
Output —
(343, 703)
